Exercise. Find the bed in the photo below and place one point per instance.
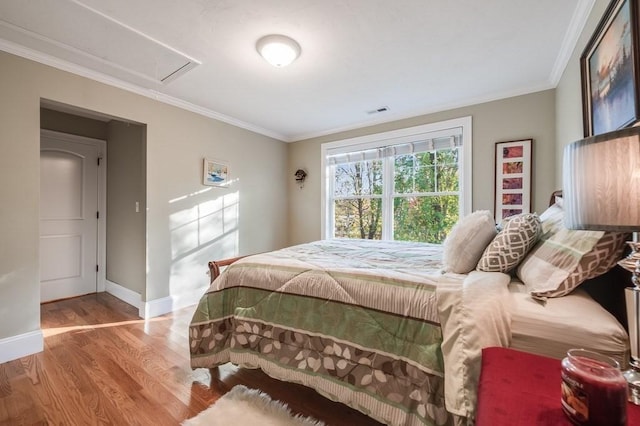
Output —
(391, 328)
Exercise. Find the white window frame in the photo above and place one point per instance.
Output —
(395, 137)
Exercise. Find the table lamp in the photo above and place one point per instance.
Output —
(601, 191)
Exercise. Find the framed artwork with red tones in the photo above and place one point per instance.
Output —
(513, 178)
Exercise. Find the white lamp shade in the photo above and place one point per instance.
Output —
(601, 182)
(278, 50)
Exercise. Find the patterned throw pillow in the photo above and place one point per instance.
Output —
(466, 241)
(519, 233)
(564, 258)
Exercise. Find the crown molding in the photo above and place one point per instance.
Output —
(578, 21)
(63, 65)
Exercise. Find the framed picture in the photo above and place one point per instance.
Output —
(513, 178)
(609, 70)
(215, 173)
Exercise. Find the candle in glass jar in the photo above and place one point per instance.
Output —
(594, 391)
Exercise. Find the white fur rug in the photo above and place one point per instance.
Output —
(243, 406)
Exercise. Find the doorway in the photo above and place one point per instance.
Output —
(72, 215)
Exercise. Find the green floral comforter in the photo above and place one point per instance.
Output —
(357, 320)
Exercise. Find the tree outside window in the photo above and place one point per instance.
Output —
(358, 200)
(409, 184)
(424, 195)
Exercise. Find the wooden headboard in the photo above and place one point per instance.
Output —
(554, 194)
(607, 289)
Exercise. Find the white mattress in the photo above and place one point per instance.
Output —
(563, 323)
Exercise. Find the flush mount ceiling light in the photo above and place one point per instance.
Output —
(278, 50)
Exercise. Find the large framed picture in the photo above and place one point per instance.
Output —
(215, 173)
(513, 178)
(609, 70)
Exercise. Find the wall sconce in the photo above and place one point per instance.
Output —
(300, 175)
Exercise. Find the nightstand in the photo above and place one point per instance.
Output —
(519, 388)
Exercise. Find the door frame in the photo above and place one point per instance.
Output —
(101, 238)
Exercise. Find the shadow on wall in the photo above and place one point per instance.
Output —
(203, 227)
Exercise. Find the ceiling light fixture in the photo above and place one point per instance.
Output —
(279, 50)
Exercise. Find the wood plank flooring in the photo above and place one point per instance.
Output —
(102, 364)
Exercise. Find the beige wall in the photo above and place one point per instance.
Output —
(568, 92)
(72, 124)
(249, 216)
(126, 186)
(528, 116)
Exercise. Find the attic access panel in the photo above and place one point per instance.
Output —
(87, 37)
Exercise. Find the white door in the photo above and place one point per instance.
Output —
(68, 217)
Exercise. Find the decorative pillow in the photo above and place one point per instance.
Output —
(519, 233)
(563, 258)
(467, 240)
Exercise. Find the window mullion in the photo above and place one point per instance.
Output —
(331, 213)
(436, 185)
(387, 197)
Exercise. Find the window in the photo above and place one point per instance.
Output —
(412, 184)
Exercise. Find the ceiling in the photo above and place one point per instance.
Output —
(411, 56)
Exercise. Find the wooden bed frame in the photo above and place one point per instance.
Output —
(215, 265)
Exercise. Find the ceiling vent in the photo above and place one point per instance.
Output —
(84, 36)
(378, 110)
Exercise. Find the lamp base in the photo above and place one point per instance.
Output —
(632, 298)
(632, 375)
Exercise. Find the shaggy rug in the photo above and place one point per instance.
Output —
(243, 406)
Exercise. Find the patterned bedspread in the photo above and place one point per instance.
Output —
(357, 320)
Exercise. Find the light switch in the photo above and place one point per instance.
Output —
(137, 207)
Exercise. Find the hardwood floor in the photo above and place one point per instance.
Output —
(102, 364)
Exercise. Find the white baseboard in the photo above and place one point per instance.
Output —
(15, 347)
(157, 307)
(123, 293)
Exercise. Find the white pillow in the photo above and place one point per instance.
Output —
(466, 242)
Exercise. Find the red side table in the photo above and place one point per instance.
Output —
(519, 388)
